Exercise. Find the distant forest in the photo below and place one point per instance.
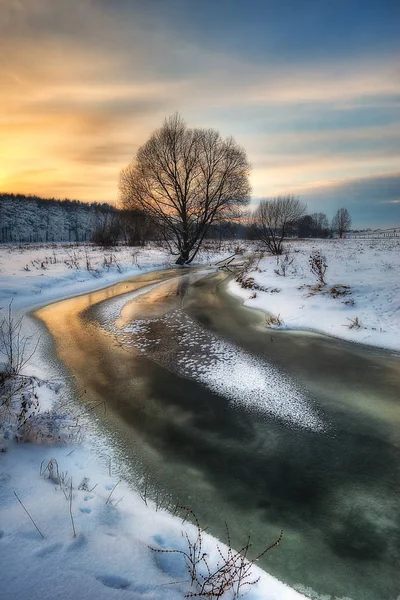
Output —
(33, 219)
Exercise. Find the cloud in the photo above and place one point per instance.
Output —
(332, 83)
(372, 201)
(83, 85)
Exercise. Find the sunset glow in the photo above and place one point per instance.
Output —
(85, 82)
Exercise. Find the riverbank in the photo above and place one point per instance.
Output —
(87, 534)
(34, 274)
(359, 301)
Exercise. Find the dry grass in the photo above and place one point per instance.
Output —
(273, 320)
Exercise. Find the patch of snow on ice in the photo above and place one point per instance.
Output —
(218, 364)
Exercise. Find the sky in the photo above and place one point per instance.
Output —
(310, 88)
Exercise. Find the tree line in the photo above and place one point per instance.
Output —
(27, 219)
(184, 185)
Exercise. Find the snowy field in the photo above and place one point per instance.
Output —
(88, 535)
(360, 301)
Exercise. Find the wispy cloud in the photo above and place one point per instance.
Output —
(83, 84)
(372, 200)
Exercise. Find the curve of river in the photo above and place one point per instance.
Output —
(262, 430)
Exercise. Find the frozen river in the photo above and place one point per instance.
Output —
(265, 430)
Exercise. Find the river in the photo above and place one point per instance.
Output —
(264, 430)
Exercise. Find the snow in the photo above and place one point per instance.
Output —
(33, 275)
(110, 557)
(369, 267)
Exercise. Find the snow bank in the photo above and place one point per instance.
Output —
(362, 286)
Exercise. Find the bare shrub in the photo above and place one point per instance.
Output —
(50, 427)
(318, 266)
(72, 261)
(51, 471)
(283, 265)
(339, 290)
(88, 261)
(243, 278)
(232, 572)
(18, 397)
(111, 261)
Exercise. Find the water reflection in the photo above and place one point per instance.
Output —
(335, 493)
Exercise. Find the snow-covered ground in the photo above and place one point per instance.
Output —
(95, 533)
(110, 554)
(359, 302)
(32, 275)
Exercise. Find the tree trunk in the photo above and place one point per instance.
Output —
(183, 257)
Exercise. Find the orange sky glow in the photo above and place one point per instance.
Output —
(76, 105)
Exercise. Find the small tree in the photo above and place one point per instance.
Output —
(184, 180)
(341, 222)
(274, 218)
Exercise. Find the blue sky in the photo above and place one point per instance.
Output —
(310, 88)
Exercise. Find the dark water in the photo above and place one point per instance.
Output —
(330, 479)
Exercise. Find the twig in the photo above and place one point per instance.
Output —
(112, 491)
(70, 510)
(226, 259)
(20, 501)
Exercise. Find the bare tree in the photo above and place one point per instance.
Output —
(274, 218)
(341, 222)
(320, 225)
(184, 179)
